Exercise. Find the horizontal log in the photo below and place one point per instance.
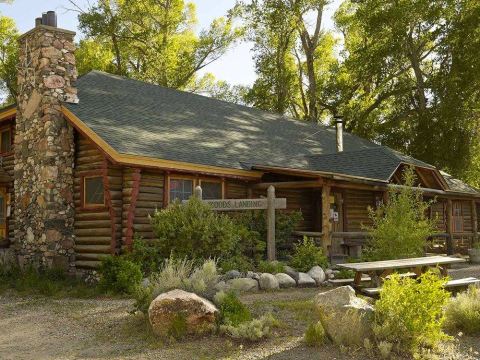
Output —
(93, 240)
(93, 232)
(87, 264)
(91, 257)
(92, 224)
(88, 215)
(93, 249)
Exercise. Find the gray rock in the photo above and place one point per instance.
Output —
(268, 282)
(199, 313)
(346, 318)
(291, 272)
(328, 271)
(252, 275)
(305, 280)
(242, 284)
(232, 274)
(331, 276)
(221, 286)
(285, 281)
(317, 274)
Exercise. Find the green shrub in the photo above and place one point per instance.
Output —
(119, 274)
(178, 274)
(237, 262)
(271, 267)
(307, 254)
(345, 274)
(410, 313)
(193, 229)
(253, 330)
(178, 327)
(400, 227)
(232, 311)
(315, 334)
(463, 312)
(146, 254)
(47, 282)
(256, 222)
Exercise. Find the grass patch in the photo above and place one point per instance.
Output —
(48, 282)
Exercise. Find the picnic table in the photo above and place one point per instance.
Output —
(379, 270)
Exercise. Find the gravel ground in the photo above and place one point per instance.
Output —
(45, 328)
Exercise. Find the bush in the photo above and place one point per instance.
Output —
(232, 311)
(193, 229)
(400, 227)
(47, 282)
(178, 274)
(345, 274)
(237, 262)
(410, 313)
(463, 312)
(256, 223)
(119, 275)
(315, 334)
(271, 267)
(306, 255)
(146, 254)
(253, 330)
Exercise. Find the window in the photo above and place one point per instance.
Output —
(211, 190)
(94, 193)
(5, 141)
(180, 189)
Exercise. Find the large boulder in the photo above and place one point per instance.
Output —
(268, 282)
(232, 274)
(291, 272)
(168, 309)
(346, 318)
(305, 280)
(285, 281)
(317, 274)
(242, 284)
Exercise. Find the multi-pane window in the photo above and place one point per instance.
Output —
(211, 190)
(5, 141)
(94, 192)
(180, 189)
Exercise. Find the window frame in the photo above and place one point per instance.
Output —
(216, 181)
(195, 181)
(9, 130)
(86, 205)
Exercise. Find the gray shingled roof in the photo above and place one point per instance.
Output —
(149, 120)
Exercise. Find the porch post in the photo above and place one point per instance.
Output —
(326, 227)
(449, 220)
(271, 223)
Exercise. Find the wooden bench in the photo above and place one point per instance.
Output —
(339, 282)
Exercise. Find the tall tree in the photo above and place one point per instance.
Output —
(8, 59)
(155, 40)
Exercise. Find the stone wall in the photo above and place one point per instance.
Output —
(44, 149)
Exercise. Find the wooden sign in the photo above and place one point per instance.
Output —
(244, 204)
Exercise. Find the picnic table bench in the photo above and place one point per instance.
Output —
(413, 267)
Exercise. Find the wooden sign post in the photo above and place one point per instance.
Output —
(270, 204)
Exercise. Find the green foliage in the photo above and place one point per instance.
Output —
(345, 274)
(237, 262)
(146, 254)
(253, 330)
(307, 254)
(315, 334)
(400, 227)
(119, 275)
(178, 327)
(155, 41)
(410, 313)
(93, 55)
(46, 282)
(178, 274)
(271, 267)
(463, 312)
(8, 59)
(232, 311)
(195, 230)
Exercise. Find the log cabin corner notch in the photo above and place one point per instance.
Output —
(125, 148)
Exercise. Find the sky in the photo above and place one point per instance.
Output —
(236, 66)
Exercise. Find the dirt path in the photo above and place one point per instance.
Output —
(44, 328)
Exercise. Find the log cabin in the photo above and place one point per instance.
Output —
(85, 161)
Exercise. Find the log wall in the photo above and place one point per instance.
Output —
(356, 204)
(93, 226)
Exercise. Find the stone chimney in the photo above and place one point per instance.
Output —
(44, 147)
